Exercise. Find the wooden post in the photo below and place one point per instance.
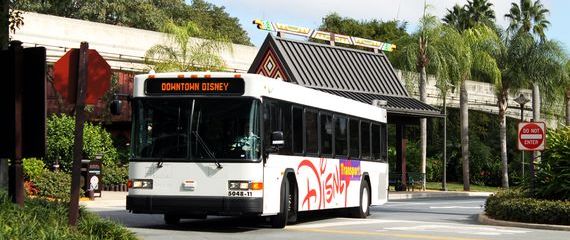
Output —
(332, 39)
(18, 181)
(78, 142)
(401, 143)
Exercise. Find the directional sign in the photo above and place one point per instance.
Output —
(532, 136)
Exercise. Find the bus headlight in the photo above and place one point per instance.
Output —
(244, 185)
(141, 183)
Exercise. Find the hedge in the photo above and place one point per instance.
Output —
(44, 219)
(516, 206)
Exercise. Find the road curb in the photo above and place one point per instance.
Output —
(484, 219)
(415, 195)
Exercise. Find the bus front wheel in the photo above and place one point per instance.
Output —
(363, 210)
(288, 210)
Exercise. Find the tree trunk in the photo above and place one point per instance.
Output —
(568, 107)
(423, 126)
(535, 118)
(464, 116)
(4, 24)
(503, 104)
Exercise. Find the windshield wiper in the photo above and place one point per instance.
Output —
(206, 149)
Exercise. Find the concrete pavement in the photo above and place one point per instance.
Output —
(115, 200)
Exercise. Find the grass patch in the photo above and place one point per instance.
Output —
(43, 219)
(452, 186)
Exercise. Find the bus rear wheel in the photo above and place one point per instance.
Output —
(288, 206)
(171, 219)
(363, 210)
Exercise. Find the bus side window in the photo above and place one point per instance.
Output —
(375, 142)
(311, 132)
(297, 130)
(326, 126)
(354, 134)
(340, 136)
(383, 143)
(365, 139)
(284, 125)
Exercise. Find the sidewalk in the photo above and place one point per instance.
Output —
(434, 194)
(116, 200)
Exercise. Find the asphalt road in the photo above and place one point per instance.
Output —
(448, 219)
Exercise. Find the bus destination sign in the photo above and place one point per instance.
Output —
(194, 86)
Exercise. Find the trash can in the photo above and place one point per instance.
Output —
(91, 177)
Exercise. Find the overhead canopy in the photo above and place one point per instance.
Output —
(359, 75)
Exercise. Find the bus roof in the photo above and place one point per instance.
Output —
(259, 86)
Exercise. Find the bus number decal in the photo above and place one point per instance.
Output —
(240, 194)
(329, 182)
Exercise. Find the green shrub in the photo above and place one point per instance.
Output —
(33, 168)
(54, 184)
(434, 170)
(515, 206)
(43, 219)
(115, 174)
(60, 137)
(553, 171)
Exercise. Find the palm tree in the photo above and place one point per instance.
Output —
(435, 49)
(528, 16)
(480, 11)
(182, 52)
(465, 20)
(456, 17)
(521, 59)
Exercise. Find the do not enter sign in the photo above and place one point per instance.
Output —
(531, 136)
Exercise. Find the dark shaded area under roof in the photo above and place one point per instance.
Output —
(359, 75)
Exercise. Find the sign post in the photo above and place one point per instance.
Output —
(72, 74)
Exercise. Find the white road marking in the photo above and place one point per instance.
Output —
(350, 222)
(455, 207)
(462, 229)
(430, 203)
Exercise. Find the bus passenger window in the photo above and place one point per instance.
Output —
(311, 124)
(383, 143)
(354, 134)
(365, 139)
(340, 137)
(326, 133)
(375, 141)
(297, 130)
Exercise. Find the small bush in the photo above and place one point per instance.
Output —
(54, 185)
(43, 219)
(115, 174)
(60, 137)
(515, 206)
(553, 171)
(33, 168)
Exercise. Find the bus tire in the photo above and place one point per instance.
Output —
(363, 210)
(171, 219)
(280, 220)
(293, 201)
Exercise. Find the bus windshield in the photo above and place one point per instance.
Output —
(201, 129)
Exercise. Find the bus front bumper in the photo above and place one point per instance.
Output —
(194, 205)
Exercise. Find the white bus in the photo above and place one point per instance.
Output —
(244, 144)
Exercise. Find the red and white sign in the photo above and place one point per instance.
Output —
(532, 136)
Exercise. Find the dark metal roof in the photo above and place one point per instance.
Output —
(346, 72)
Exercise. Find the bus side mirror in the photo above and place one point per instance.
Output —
(277, 139)
(115, 107)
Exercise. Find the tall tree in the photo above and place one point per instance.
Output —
(521, 59)
(386, 31)
(469, 20)
(434, 49)
(183, 53)
(143, 14)
(528, 16)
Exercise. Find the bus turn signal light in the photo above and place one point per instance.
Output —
(256, 186)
